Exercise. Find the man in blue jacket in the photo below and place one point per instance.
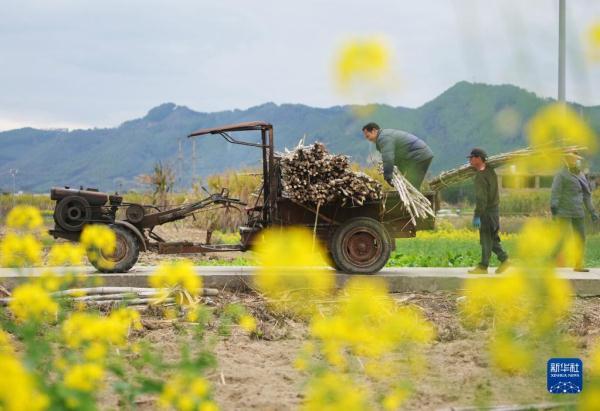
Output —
(571, 197)
(401, 149)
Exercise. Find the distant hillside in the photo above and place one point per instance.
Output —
(462, 117)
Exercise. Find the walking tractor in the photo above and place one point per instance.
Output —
(359, 237)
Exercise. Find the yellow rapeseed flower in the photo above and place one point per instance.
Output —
(367, 322)
(82, 328)
(24, 217)
(32, 302)
(334, 392)
(247, 322)
(19, 250)
(394, 399)
(362, 60)
(177, 276)
(17, 388)
(292, 273)
(554, 126)
(186, 393)
(5, 343)
(66, 254)
(50, 281)
(84, 377)
(98, 237)
(511, 355)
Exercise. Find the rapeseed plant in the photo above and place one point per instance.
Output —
(525, 306)
(186, 393)
(20, 250)
(66, 363)
(32, 302)
(554, 126)
(178, 279)
(24, 217)
(292, 274)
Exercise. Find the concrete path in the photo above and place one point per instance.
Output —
(407, 279)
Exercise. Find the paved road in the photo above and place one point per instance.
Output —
(406, 279)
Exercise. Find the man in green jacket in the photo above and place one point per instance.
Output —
(486, 216)
(401, 149)
(571, 197)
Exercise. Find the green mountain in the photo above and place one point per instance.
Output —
(464, 116)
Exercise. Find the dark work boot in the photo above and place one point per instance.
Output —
(478, 270)
(504, 265)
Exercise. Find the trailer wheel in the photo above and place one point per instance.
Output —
(361, 245)
(331, 261)
(127, 251)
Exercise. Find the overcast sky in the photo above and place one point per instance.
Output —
(76, 63)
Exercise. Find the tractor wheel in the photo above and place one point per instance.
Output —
(127, 251)
(361, 245)
(72, 212)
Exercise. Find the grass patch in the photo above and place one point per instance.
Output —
(461, 249)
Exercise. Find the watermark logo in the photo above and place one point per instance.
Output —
(565, 375)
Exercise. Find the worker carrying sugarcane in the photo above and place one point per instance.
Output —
(571, 197)
(401, 149)
(486, 216)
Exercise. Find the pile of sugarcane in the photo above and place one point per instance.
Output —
(137, 297)
(464, 172)
(415, 203)
(311, 175)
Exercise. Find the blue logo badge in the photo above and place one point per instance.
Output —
(565, 375)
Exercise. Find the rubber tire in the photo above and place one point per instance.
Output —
(332, 262)
(132, 252)
(340, 256)
(62, 219)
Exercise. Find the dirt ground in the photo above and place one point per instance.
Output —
(257, 373)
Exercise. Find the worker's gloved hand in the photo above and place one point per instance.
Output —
(595, 217)
(554, 210)
(476, 222)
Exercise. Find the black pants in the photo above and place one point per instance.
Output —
(489, 238)
(415, 172)
(578, 227)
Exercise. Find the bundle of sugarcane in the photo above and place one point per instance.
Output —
(108, 296)
(415, 203)
(311, 175)
(464, 172)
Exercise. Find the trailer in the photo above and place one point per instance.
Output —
(359, 239)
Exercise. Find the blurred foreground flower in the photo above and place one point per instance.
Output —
(20, 250)
(24, 217)
(178, 279)
(525, 306)
(367, 322)
(17, 388)
(66, 254)
(187, 393)
(593, 43)
(365, 326)
(335, 392)
(82, 329)
(363, 70)
(32, 302)
(291, 274)
(555, 126)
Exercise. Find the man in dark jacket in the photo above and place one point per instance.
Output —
(401, 149)
(571, 197)
(486, 216)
